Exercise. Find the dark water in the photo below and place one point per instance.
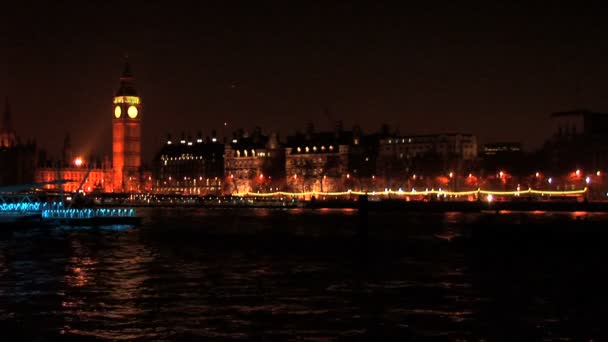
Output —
(277, 275)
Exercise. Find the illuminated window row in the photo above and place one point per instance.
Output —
(182, 157)
(132, 100)
(246, 153)
(314, 149)
(189, 143)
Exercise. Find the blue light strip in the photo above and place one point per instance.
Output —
(11, 208)
(87, 213)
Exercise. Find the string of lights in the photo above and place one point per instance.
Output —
(413, 192)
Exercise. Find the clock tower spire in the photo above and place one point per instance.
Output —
(126, 134)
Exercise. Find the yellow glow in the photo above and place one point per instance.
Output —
(132, 100)
(400, 192)
(78, 161)
(117, 112)
(132, 111)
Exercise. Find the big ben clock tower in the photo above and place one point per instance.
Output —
(126, 135)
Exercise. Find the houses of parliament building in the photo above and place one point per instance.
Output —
(124, 173)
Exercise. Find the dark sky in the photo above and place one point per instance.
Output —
(493, 70)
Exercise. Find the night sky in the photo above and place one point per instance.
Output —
(497, 71)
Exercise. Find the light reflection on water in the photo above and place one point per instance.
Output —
(283, 273)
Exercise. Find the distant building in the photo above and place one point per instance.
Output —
(405, 156)
(253, 162)
(319, 161)
(94, 176)
(8, 137)
(17, 160)
(187, 166)
(501, 156)
(363, 153)
(579, 140)
(125, 173)
(501, 148)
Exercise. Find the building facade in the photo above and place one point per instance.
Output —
(416, 156)
(319, 161)
(124, 172)
(504, 156)
(126, 135)
(579, 141)
(253, 162)
(188, 166)
(81, 174)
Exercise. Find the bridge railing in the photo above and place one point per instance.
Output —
(28, 207)
(87, 213)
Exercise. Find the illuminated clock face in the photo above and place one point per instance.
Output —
(132, 111)
(117, 112)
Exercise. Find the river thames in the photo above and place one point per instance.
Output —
(281, 274)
